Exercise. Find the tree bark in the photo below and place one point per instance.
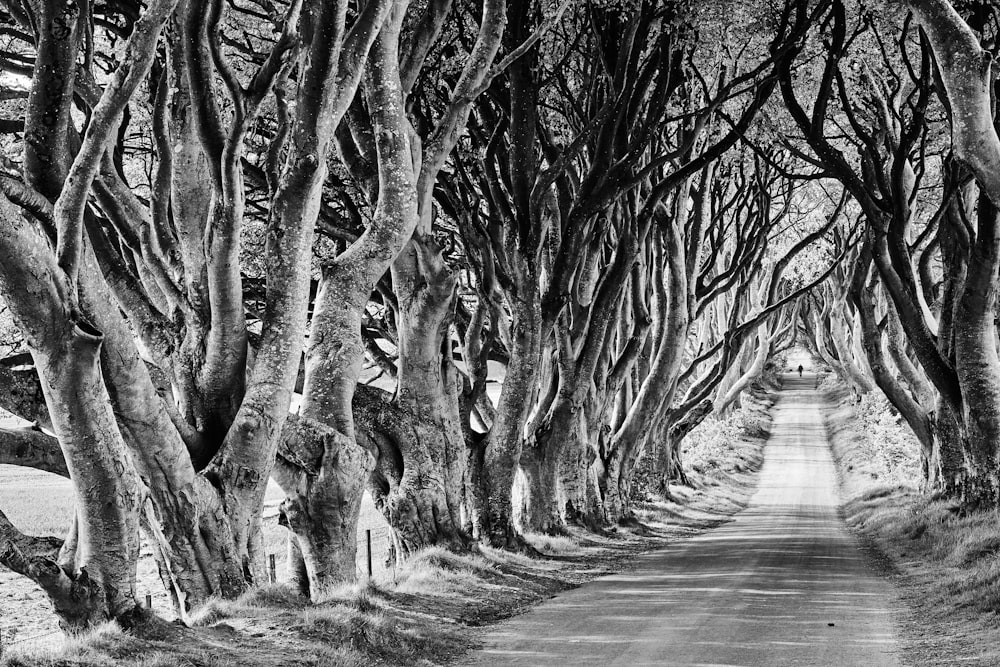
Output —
(978, 363)
(669, 465)
(21, 391)
(28, 446)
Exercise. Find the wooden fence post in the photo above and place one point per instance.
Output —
(272, 569)
(368, 549)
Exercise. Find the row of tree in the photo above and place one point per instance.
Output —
(478, 258)
(916, 149)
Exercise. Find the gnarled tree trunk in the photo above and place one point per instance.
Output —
(322, 467)
(92, 577)
(502, 450)
(425, 506)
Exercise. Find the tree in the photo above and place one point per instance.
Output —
(965, 70)
(321, 466)
(203, 448)
(90, 577)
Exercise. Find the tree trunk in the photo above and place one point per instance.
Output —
(618, 488)
(978, 364)
(322, 467)
(862, 297)
(946, 464)
(329, 74)
(670, 306)
(192, 541)
(669, 465)
(502, 450)
(542, 512)
(93, 579)
(583, 504)
(100, 585)
(425, 505)
(323, 503)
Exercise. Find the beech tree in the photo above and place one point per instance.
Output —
(199, 453)
(969, 88)
(90, 577)
(415, 438)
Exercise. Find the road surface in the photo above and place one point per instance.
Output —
(785, 583)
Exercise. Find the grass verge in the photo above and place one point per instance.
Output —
(427, 613)
(945, 564)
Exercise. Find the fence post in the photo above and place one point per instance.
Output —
(149, 601)
(368, 549)
(273, 571)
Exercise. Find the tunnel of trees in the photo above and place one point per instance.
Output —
(478, 258)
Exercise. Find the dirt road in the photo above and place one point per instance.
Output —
(783, 584)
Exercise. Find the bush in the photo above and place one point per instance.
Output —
(709, 443)
(751, 423)
(770, 379)
(892, 455)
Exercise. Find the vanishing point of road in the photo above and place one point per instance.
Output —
(785, 583)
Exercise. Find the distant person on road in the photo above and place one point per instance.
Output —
(800, 370)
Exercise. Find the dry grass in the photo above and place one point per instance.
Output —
(271, 626)
(375, 635)
(436, 571)
(962, 549)
(273, 596)
(105, 645)
(946, 562)
(554, 545)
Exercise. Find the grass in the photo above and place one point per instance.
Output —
(436, 571)
(39, 503)
(553, 545)
(946, 562)
(107, 642)
(272, 596)
(359, 625)
(376, 635)
(875, 454)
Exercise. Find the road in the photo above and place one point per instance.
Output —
(785, 583)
